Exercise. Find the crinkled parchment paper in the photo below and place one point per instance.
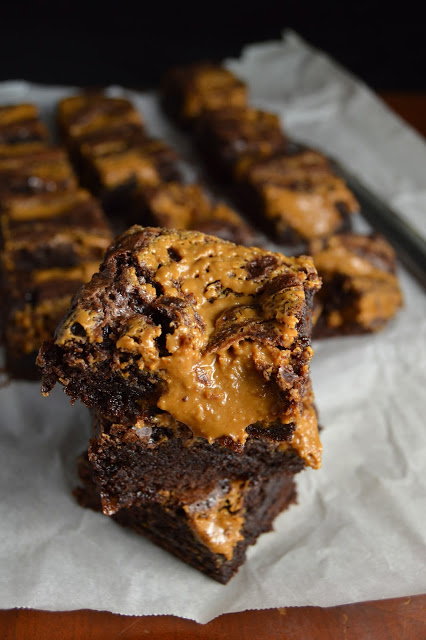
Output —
(359, 530)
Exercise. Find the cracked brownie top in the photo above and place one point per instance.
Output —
(216, 334)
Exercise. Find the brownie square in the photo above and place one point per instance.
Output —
(186, 206)
(189, 91)
(209, 529)
(20, 126)
(204, 502)
(34, 303)
(111, 151)
(196, 326)
(50, 244)
(54, 232)
(134, 463)
(296, 197)
(83, 115)
(114, 171)
(46, 170)
(226, 137)
(360, 291)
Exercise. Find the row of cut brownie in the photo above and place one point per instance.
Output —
(291, 192)
(194, 354)
(52, 236)
(137, 177)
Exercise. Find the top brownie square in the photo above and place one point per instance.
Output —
(227, 137)
(189, 91)
(215, 334)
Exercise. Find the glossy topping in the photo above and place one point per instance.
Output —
(10, 114)
(311, 211)
(215, 324)
(185, 206)
(300, 192)
(356, 255)
(46, 206)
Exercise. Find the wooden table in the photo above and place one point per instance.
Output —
(399, 619)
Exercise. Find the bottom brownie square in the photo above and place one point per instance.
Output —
(208, 529)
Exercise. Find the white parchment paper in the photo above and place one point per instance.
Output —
(359, 530)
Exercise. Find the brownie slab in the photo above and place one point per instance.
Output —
(209, 530)
(46, 170)
(360, 292)
(227, 137)
(199, 327)
(111, 151)
(115, 172)
(20, 126)
(34, 303)
(83, 115)
(186, 206)
(53, 232)
(50, 244)
(189, 91)
(295, 197)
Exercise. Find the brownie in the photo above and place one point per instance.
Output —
(228, 136)
(193, 325)
(44, 171)
(33, 305)
(21, 129)
(56, 231)
(295, 197)
(360, 291)
(204, 502)
(209, 529)
(111, 151)
(189, 91)
(83, 115)
(114, 172)
(137, 462)
(186, 206)
(50, 244)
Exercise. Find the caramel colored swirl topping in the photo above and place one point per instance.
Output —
(217, 325)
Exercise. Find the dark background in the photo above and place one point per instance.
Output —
(133, 43)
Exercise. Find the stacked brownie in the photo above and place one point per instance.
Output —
(360, 291)
(291, 192)
(194, 354)
(137, 177)
(52, 236)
